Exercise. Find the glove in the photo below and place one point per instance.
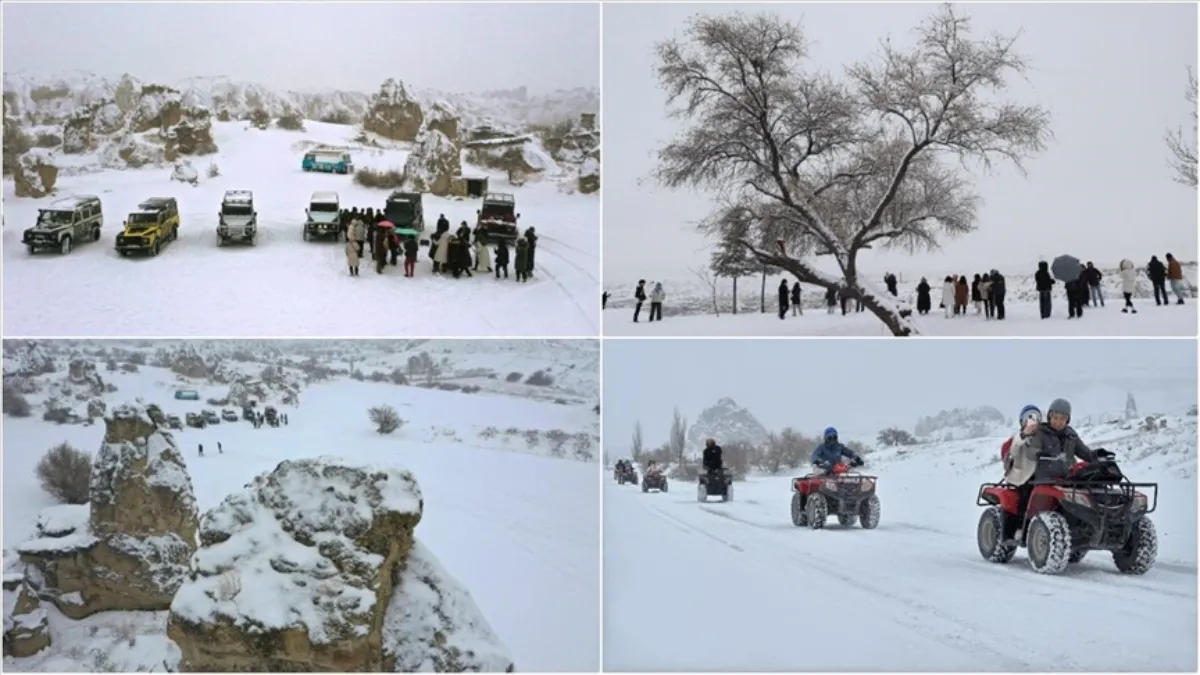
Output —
(858, 461)
(1104, 454)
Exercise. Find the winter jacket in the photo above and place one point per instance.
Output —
(948, 293)
(1055, 451)
(1128, 274)
(639, 293)
(827, 454)
(1092, 276)
(962, 292)
(975, 292)
(985, 288)
(1174, 270)
(998, 286)
(1156, 270)
(712, 458)
(502, 254)
(784, 294)
(521, 264)
(658, 294)
(441, 251)
(1042, 277)
(923, 299)
(352, 253)
(483, 254)
(831, 297)
(411, 248)
(796, 293)
(381, 246)
(357, 230)
(443, 225)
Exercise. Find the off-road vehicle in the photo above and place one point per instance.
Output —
(1095, 508)
(323, 217)
(248, 414)
(154, 224)
(65, 223)
(498, 216)
(271, 416)
(843, 493)
(237, 221)
(328, 159)
(624, 472)
(195, 420)
(173, 422)
(654, 479)
(715, 484)
(211, 416)
(229, 415)
(405, 210)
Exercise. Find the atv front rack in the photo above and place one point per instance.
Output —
(1125, 488)
(858, 478)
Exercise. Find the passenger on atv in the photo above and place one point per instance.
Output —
(830, 453)
(652, 468)
(1043, 451)
(711, 461)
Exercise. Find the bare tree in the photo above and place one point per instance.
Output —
(809, 165)
(707, 278)
(677, 440)
(1183, 148)
(385, 418)
(636, 447)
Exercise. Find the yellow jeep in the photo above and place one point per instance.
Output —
(153, 224)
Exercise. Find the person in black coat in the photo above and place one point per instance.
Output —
(411, 248)
(831, 299)
(996, 293)
(502, 258)
(1093, 277)
(460, 257)
(532, 238)
(1044, 283)
(784, 294)
(639, 294)
(796, 309)
(1157, 272)
(443, 225)
(924, 301)
(711, 461)
(1075, 294)
(890, 281)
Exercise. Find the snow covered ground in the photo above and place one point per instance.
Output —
(284, 285)
(529, 556)
(735, 586)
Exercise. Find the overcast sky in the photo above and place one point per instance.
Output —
(312, 45)
(861, 386)
(1113, 77)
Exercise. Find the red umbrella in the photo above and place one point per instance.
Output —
(385, 224)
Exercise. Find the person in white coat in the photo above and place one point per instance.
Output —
(352, 255)
(357, 233)
(1128, 274)
(948, 295)
(657, 296)
(483, 254)
(441, 254)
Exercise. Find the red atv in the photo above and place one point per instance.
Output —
(846, 494)
(1095, 508)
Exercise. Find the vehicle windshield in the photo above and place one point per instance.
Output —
(55, 218)
(237, 210)
(143, 218)
(324, 207)
(400, 210)
(504, 211)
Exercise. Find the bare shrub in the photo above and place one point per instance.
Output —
(489, 432)
(388, 179)
(894, 436)
(47, 141)
(290, 122)
(127, 632)
(214, 171)
(511, 431)
(532, 438)
(540, 379)
(583, 445)
(338, 117)
(15, 404)
(514, 377)
(471, 389)
(385, 418)
(557, 439)
(65, 473)
(260, 119)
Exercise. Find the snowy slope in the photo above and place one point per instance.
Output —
(735, 586)
(284, 285)
(529, 557)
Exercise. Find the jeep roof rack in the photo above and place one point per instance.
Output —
(500, 197)
(238, 197)
(324, 198)
(70, 203)
(155, 204)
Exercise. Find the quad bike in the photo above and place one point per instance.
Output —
(848, 495)
(626, 474)
(1095, 508)
(654, 480)
(718, 483)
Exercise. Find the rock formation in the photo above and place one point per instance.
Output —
(727, 422)
(132, 551)
(314, 567)
(35, 174)
(393, 113)
(442, 118)
(589, 176)
(434, 166)
(26, 627)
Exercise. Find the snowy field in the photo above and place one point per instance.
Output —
(735, 586)
(530, 557)
(284, 285)
(688, 312)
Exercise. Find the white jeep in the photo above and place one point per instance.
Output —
(323, 217)
(238, 219)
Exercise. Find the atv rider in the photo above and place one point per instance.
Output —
(830, 453)
(1053, 445)
(652, 468)
(711, 461)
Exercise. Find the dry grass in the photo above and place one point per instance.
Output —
(390, 179)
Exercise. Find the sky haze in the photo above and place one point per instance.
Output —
(1112, 75)
(311, 46)
(861, 386)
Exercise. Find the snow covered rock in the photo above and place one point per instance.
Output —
(442, 118)
(184, 172)
(314, 567)
(26, 626)
(295, 572)
(132, 551)
(434, 166)
(35, 174)
(432, 624)
(726, 422)
(394, 114)
(589, 176)
(192, 135)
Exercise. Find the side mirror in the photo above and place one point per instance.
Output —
(254, 213)
(518, 216)
(306, 212)
(478, 211)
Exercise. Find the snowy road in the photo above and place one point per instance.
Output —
(734, 586)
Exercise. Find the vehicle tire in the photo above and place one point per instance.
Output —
(701, 493)
(65, 245)
(306, 235)
(1140, 551)
(1077, 556)
(869, 512)
(95, 234)
(157, 247)
(728, 496)
(799, 517)
(31, 250)
(664, 486)
(847, 519)
(1049, 543)
(990, 536)
(645, 488)
(817, 510)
